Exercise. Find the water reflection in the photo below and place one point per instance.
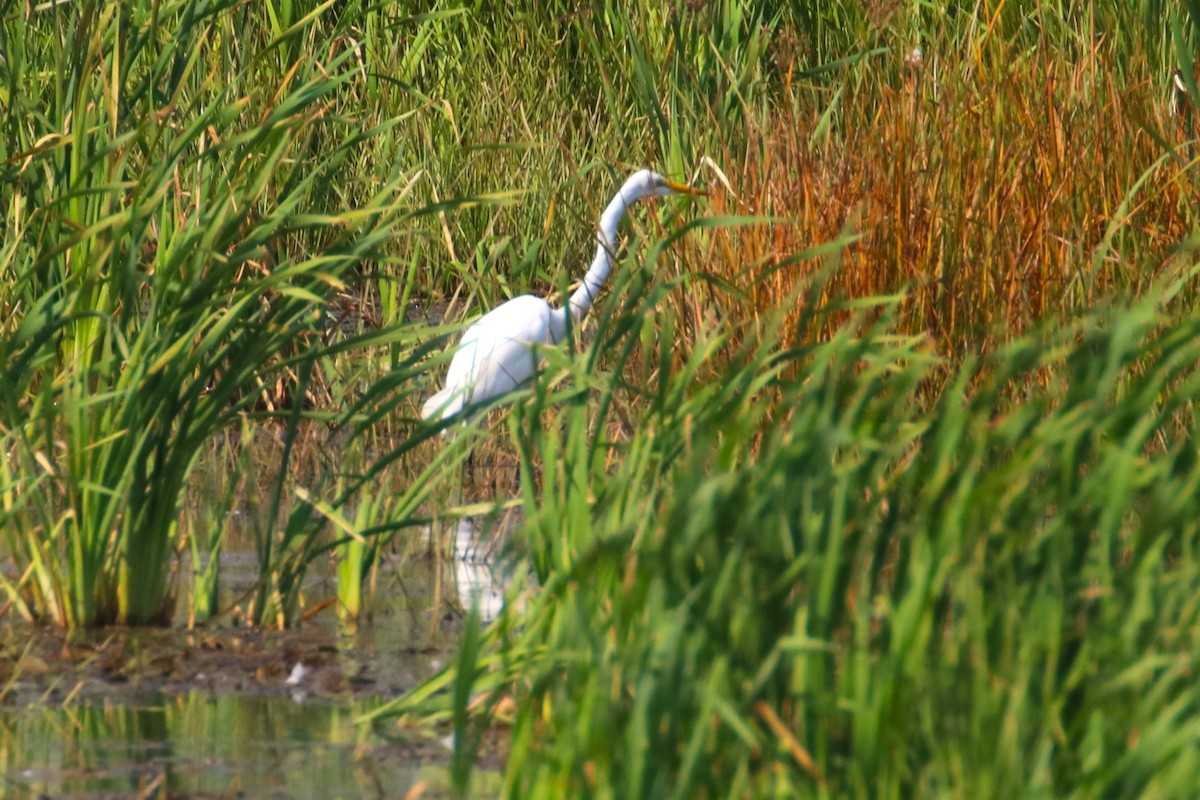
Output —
(477, 577)
(197, 744)
(230, 711)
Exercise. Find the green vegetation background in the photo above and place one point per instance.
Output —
(876, 477)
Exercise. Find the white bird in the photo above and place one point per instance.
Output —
(496, 354)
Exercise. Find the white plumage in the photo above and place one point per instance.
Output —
(498, 353)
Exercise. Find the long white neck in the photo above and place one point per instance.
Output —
(606, 247)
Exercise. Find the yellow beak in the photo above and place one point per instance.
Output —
(683, 188)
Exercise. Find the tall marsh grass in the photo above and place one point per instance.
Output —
(181, 212)
(853, 592)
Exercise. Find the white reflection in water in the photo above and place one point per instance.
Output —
(478, 579)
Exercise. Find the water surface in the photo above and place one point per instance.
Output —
(235, 712)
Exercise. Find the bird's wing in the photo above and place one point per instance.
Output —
(440, 404)
(495, 355)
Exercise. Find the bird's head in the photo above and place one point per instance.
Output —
(648, 183)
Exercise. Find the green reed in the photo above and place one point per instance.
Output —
(184, 212)
(800, 578)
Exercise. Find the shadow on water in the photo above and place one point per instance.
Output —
(240, 712)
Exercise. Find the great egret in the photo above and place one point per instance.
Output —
(496, 354)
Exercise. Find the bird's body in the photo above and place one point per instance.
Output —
(497, 354)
